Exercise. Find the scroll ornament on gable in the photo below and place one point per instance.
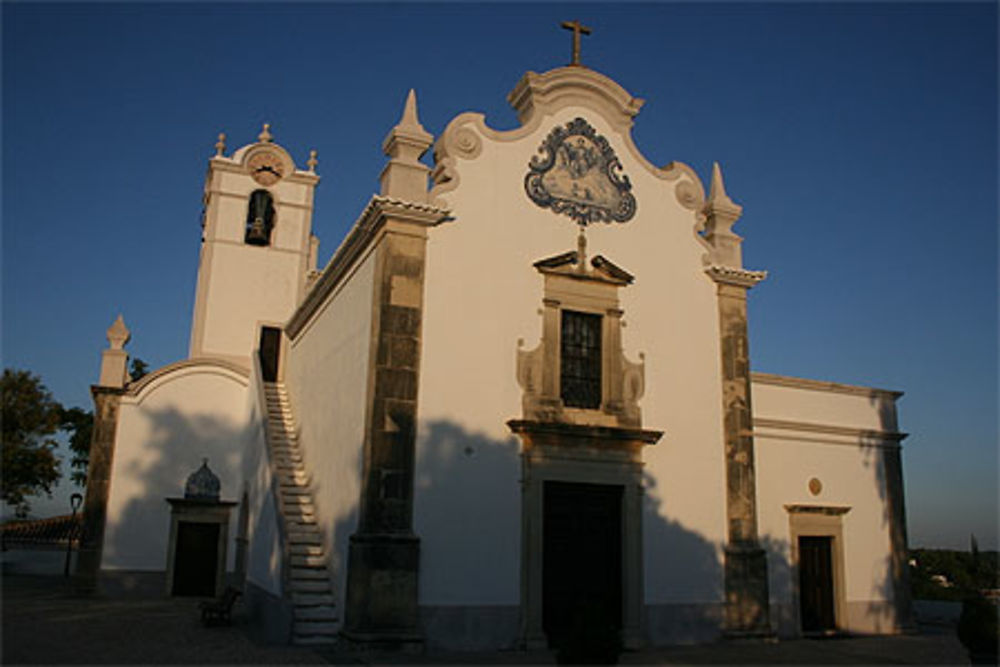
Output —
(578, 174)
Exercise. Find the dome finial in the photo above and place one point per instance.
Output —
(312, 161)
(202, 484)
(220, 145)
(265, 134)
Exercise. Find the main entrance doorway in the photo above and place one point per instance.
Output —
(581, 559)
(196, 559)
(816, 596)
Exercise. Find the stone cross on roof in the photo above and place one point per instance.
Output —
(577, 29)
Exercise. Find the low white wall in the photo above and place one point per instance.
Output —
(265, 550)
(183, 414)
(326, 374)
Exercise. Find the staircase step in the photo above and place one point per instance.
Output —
(300, 523)
(307, 560)
(313, 599)
(306, 550)
(310, 586)
(301, 537)
(309, 628)
(294, 491)
(314, 640)
(310, 573)
(320, 613)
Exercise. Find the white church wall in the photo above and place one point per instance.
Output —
(797, 441)
(326, 375)
(482, 295)
(182, 414)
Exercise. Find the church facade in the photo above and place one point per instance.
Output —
(515, 405)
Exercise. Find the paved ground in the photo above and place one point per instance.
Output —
(45, 623)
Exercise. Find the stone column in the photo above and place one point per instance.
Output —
(900, 553)
(747, 597)
(384, 552)
(747, 602)
(107, 399)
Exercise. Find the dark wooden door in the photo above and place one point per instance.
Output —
(581, 559)
(816, 584)
(196, 559)
(270, 346)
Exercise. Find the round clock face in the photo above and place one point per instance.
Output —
(266, 168)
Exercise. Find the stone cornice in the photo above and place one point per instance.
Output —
(829, 510)
(822, 385)
(197, 363)
(827, 429)
(730, 275)
(365, 230)
(600, 433)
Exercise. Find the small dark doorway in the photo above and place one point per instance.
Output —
(581, 560)
(270, 348)
(816, 600)
(196, 559)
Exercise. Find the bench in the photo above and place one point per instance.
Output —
(218, 612)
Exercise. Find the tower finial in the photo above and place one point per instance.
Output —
(720, 214)
(409, 118)
(312, 161)
(717, 189)
(265, 134)
(220, 145)
(405, 177)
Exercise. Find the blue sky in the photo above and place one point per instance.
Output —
(861, 140)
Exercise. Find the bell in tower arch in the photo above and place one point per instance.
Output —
(260, 218)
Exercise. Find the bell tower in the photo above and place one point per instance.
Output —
(257, 249)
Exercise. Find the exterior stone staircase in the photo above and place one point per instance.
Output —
(315, 619)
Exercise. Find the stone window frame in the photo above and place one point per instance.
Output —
(199, 511)
(819, 521)
(569, 286)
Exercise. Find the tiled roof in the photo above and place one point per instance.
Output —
(54, 530)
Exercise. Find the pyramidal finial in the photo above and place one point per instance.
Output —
(265, 134)
(717, 190)
(405, 177)
(118, 334)
(410, 119)
(220, 145)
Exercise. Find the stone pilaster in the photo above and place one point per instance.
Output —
(900, 554)
(381, 602)
(747, 597)
(384, 554)
(95, 505)
(745, 562)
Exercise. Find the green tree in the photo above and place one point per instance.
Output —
(138, 369)
(30, 418)
(80, 426)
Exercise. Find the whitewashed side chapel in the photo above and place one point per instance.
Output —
(448, 437)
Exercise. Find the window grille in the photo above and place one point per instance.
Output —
(580, 375)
